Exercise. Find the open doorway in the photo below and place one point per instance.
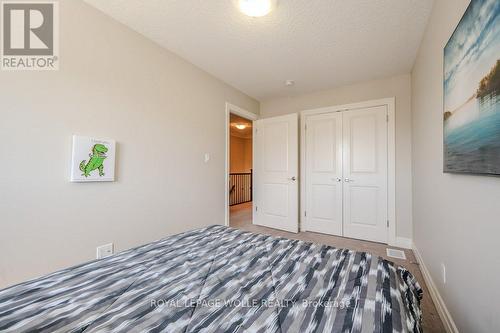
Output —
(239, 166)
(240, 170)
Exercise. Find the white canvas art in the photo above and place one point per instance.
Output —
(93, 160)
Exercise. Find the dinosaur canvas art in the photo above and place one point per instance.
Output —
(98, 165)
(95, 162)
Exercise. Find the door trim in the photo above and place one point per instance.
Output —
(231, 108)
(391, 156)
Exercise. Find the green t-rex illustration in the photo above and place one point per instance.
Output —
(96, 160)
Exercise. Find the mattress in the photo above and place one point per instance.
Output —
(219, 279)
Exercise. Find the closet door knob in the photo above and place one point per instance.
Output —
(347, 180)
(293, 178)
(338, 180)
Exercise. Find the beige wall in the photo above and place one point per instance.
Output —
(240, 154)
(399, 87)
(456, 217)
(163, 112)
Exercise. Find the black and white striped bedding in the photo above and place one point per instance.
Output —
(219, 279)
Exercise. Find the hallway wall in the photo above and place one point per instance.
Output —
(240, 154)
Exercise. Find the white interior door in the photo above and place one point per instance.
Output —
(365, 173)
(276, 172)
(323, 206)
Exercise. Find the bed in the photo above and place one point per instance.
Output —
(220, 279)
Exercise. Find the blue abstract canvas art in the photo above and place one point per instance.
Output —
(471, 92)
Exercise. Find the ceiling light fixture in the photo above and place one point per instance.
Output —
(240, 126)
(256, 8)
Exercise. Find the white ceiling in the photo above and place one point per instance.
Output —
(318, 43)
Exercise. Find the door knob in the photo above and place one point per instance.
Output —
(337, 179)
(293, 178)
(347, 180)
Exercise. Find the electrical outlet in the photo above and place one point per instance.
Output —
(104, 251)
(443, 273)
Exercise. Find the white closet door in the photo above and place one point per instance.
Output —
(276, 172)
(324, 173)
(365, 173)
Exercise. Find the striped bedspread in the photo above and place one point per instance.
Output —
(219, 279)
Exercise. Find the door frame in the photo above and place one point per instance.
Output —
(231, 108)
(391, 157)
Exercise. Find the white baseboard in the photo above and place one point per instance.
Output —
(442, 310)
(405, 243)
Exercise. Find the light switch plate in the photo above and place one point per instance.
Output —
(104, 251)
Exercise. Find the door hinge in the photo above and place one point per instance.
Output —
(387, 223)
(387, 118)
(305, 214)
(256, 208)
(305, 127)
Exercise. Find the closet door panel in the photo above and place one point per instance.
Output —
(365, 173)
(324, 173)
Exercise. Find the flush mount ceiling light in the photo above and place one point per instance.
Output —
(256, 8)
(240, 126)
